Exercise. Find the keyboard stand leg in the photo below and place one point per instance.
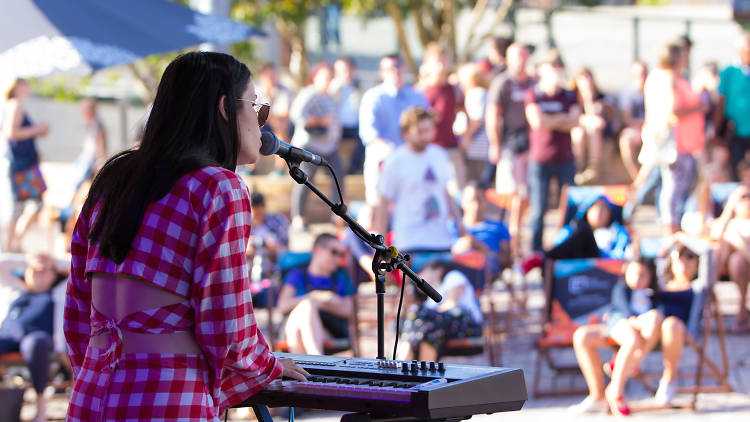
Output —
(262, 413)
(356, 417)
(366, 417)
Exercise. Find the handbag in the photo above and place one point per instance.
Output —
(28, 184)
(664, 144)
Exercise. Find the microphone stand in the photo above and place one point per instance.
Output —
(386, 259)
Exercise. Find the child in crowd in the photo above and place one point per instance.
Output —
(429, 326)
(633, 323)
(489, 236)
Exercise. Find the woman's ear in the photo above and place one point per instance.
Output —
(222, 108)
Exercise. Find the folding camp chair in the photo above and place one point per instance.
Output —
(571, 197)
(577, 292)
(703, 313)
(508, 276)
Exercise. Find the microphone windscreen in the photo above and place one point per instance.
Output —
(269, 143)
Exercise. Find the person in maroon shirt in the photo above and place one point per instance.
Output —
(442, 98)
(551, 112)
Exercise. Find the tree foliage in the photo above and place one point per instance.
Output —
(435, 20)
(289, 18)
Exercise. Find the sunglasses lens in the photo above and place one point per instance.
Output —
(263, 114)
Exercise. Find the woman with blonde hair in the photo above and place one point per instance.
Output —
(673, 132)
(27, 182)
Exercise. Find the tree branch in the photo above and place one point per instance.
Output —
(476, 16)
(395, 14)
(448, 28)
(146, 83)
(417, 15)
(500, 15)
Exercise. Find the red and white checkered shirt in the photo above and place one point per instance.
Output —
(191, 243)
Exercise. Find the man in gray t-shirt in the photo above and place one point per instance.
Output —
(508, 132)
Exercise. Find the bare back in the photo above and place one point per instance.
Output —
(117, 296)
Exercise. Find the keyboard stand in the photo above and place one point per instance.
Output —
(262, 413)
(367, 417)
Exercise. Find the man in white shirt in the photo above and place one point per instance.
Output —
(379, 112)
(414, 183)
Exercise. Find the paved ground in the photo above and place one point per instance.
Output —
(517, 351)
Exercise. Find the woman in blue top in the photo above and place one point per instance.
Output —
(26, 179)
(675, 303)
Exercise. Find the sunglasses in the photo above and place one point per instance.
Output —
(261, 108)
(337, 252)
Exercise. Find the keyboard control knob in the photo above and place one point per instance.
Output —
(432, 366)
(414, 367)
(423, 365)
(404, 367)
(441, 367)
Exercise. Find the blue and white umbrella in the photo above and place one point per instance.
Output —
(43, 37)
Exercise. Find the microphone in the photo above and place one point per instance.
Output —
(270, 145)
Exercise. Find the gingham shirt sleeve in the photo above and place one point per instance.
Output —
(76, 324)
(225, 324)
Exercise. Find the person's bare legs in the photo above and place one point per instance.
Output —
(738, 273)
(595, 138)
(672, 343)
(649, 326)
(10, 243)
(586, 340)
(41, 408)
(518, 207)
(304, 329)
(630, 341)
(630, 143)
(578, 142)
(29, 216)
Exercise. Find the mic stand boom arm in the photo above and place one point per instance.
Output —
(386, 258)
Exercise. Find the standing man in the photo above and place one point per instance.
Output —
(442, 98)
(734, 105)
(496, 54)
(346, 91)
(280, 97)
(415, 183)
(508, 133)
(379, 115)
(551, 112)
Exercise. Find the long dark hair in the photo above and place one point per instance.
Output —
(185, 132)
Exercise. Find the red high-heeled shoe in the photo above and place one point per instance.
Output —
(618, 407)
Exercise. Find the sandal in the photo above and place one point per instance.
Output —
(618, 406)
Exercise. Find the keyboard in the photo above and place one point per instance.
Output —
(396, 389)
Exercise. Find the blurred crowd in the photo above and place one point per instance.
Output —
(436, 155)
